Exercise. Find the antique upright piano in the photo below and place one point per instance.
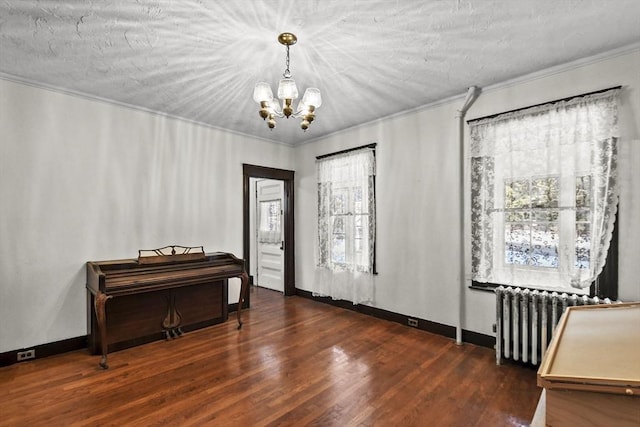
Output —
(161, 294)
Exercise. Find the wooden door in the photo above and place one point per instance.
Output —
(270, 242)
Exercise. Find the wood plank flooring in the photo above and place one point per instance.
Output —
(296, 362)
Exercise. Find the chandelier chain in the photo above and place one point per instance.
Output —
(287, 73)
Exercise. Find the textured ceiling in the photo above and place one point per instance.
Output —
(199, 60)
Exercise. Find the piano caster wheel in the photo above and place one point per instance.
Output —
(179, 332)
(167, 334)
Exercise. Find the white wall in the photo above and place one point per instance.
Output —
(417, 210)
(418, 178)
(85, 180)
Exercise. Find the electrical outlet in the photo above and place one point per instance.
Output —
(26, 355)
(412, 322)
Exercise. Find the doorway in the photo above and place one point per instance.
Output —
(250, 172)
(267, 239)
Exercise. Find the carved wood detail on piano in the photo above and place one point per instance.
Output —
(171, 322)
(172, 253)
(162, 293)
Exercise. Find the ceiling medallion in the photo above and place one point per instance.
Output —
(287, 92)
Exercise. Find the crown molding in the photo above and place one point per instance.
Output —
(57, 89)
(569, 66)
(624, 50)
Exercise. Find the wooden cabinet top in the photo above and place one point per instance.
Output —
(595, 348)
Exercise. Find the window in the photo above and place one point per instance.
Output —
(270, 213)
(583, 222)
(544, 193)
(346, 226)
(531, 222)
(348, 221)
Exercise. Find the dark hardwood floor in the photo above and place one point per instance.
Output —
(296, 362)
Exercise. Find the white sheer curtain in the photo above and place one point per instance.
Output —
(544, 193)
(269, 230)
(346, 227)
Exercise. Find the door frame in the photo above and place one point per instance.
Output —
(253, 171)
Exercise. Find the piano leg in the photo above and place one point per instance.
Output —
(244, 288)
(101, 316)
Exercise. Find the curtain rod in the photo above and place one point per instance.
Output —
(348, 150)
(544, 103)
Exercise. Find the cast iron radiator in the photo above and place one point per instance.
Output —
(526, 319)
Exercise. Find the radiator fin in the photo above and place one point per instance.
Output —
(525, 321)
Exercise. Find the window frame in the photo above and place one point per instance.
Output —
(371, 146)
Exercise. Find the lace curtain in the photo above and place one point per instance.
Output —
(269, 230)
(544, 193)
(346, 227)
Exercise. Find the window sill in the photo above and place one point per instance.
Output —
(483, 287)
(491, 287)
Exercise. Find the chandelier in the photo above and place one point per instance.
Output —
(287, 92)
